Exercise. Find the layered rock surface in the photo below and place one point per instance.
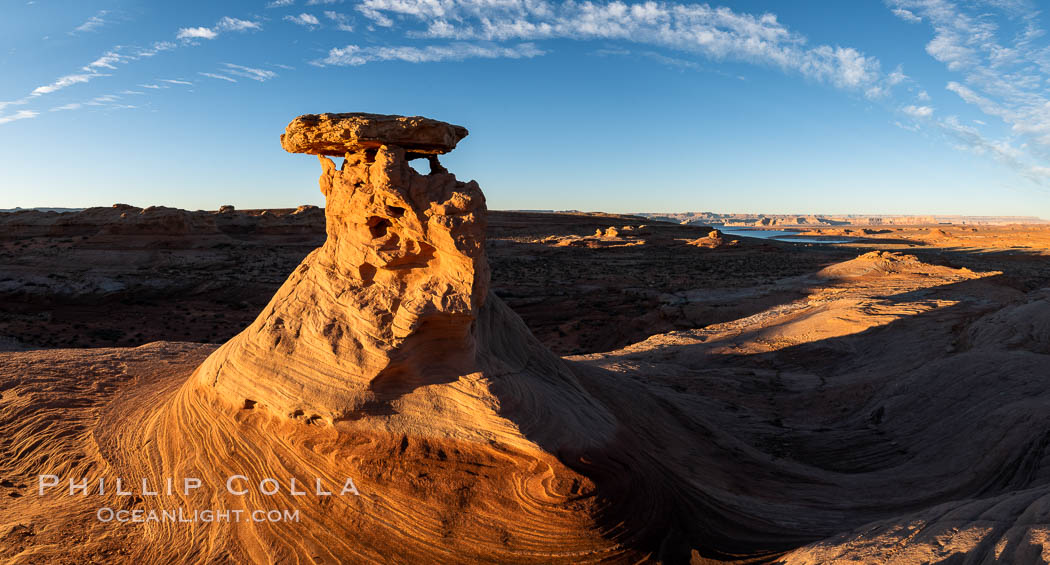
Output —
(846, 418)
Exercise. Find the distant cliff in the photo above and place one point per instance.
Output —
(795, 220)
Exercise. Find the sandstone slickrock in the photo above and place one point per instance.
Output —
(839, 423)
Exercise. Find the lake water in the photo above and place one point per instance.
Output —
(781, 235)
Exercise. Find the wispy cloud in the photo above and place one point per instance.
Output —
(670, 61)
(342, 21)
(19, 115)
(157, 47)
(196, 33)
(106, 101)
(63, 82)
(218, 76)
(906, 15)
(971, 139)
(896, 77)
(353, 55)
(322, 2)
(260, 75)
(280, 3)
(102, 100)
(697, 29)
(92, 24)
(652, 55)
(304, 19)
(1000, 73)
(120, 55)
(233, 24)
(226, 23)
(918, 111)
(108, 60)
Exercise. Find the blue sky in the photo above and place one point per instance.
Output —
(822, 106)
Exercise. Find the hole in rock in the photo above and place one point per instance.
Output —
(377, 226)
(436, 167)
(395, 211)
(416, 166)
(368, 273)
(314, 420)
(296, 414)
(249, 404)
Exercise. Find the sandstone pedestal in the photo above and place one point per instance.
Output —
(390, 301)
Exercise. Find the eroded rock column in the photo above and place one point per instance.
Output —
(389, 302)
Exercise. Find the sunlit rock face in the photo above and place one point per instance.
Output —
(337, 134)
(389, 302)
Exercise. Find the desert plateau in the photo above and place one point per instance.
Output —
(525, 282)
(514, 387)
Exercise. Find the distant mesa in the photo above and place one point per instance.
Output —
(55, 210)
(794, 220)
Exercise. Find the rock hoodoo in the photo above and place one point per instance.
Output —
(390, 301)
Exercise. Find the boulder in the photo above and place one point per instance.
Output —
(339, 134)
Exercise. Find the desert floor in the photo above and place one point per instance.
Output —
(881, 400)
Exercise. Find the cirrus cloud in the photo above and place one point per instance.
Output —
(304, 19)
(716, 33)
(196, 33)
(91, 24)
(353, 55)
(19, 115)
(918, 111)
(999, 71)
